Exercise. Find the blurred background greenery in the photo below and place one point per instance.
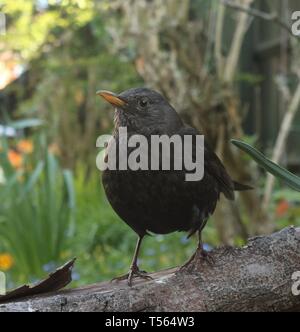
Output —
(230, 74)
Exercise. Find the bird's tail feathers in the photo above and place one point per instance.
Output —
(241, 187)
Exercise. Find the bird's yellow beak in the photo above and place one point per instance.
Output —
(111, 97)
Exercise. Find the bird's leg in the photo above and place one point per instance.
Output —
(185, 265)
(134, 269)
(199, 253)
(205, 255)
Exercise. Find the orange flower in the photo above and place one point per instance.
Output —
(25, 146)
(15, 159)
(6, 262)
(282, 208)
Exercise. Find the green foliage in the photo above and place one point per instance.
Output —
(36, 213)
(27, 123)
(290, 179)
(30, 25)
(66, 49)
(286, 207)
(285, 202)
(250, 78)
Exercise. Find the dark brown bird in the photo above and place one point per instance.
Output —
(161, 202)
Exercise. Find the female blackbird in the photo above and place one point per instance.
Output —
(161, 201)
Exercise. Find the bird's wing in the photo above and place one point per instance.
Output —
(213, 166)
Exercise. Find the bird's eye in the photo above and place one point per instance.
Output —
(143, 102)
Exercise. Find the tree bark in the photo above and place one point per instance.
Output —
(257, 277)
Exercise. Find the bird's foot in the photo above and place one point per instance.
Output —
(201, 255)
(208, 257)
(188, 263)
(133, 273)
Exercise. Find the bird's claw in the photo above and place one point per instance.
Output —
(137, 274)
(184, 266)
(207, 257)
(199, 254)
(133, 273)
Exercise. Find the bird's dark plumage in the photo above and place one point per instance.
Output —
(161, 201)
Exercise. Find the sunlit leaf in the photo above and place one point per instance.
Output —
(27, 123)
(290, 179)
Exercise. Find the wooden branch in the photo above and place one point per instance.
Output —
(236, 45)
(271, 17)
(281, 142)
(257, 277)
(218, 40)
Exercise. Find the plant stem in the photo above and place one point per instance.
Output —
(281, 142)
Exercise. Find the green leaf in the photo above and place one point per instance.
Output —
(27, 123)
(71, 198)
(290, 179)
(33, 179)
(69, 183)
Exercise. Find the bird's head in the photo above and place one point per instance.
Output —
(142, 110)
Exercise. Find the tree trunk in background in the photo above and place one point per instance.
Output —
(258, 277)
(175, 44)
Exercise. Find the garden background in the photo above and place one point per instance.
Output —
(231, 68)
